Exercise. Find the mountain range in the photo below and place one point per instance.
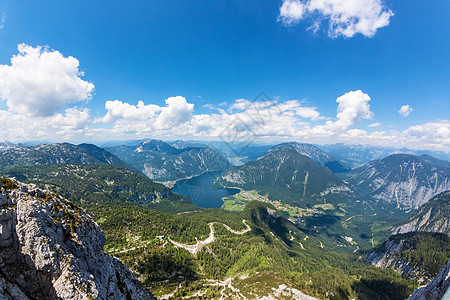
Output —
(57, 153)
(160, 161)
(304, 237)
(358, 155)
(406, 180)
(97, 184)
(284, 174)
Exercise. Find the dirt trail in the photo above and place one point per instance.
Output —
(238, 232)
(129, 249)
(195, 248)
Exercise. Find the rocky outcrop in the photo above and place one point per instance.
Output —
(416, 255)
(51, 249)
(434, 216)
(388, 255)
(438, 288)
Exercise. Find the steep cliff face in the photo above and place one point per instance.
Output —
(409, 181)
(389, 256)
(432, 217)
(417, 255)
(437, 289)
(51, 249)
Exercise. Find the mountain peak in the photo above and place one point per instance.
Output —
(315, 154)
(156, 145)
(404, 179)
(284, 174)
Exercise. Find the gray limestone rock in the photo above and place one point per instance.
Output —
(51, 249)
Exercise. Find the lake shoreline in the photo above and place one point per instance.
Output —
(199, 190)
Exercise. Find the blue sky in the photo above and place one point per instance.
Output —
(214, 52)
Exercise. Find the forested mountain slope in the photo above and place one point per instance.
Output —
(285, 175)
(100, 184)
(418, 255)
(317, 155)
(46, 154)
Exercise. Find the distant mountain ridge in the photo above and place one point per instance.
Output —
(180, 144)
(409, 181)
(286, 175)
(57, 153)
(358, 155)
(7, 145)
(158, 146)
(160, 161)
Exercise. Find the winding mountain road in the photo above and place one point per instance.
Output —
(195, 248)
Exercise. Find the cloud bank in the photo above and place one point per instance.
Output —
(43, 97)
(343, 17)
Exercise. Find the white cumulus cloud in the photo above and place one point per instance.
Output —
(292, 11)
(405, 110)
(40, 82)
(353, 107)
(117, 110)
(36, 89)
(73, 119)
(177, 111)
(431, 132)
(344, 17)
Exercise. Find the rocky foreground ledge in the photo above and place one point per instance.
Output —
(438, 288)
(51, 249)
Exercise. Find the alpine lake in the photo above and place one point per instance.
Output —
(199, 190)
